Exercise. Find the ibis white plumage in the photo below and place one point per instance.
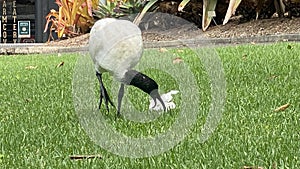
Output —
(116, 46)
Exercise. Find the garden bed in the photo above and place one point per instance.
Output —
(254, 28)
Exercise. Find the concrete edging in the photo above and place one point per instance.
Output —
(40, 48)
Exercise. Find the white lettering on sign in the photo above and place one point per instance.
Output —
(14, 13)
(9, 28)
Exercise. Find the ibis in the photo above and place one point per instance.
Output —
(116, 46)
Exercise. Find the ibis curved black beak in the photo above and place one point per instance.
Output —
(155, 95)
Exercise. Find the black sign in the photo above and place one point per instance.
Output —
(9, 33)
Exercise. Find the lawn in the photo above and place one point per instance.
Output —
(40, 127)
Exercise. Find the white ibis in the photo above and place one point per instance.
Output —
(116, 46)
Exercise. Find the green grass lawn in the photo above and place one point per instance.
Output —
(39, 127)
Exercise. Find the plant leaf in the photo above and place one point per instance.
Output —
(252, 167)
(30, 67)
(233, 4)
(282, 108)
(82, 157)
(60, 64)
(139, 17)
(177, 60)
(182, 5)
(90, 7)
(208, 12)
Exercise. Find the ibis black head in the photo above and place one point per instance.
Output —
(144, 83)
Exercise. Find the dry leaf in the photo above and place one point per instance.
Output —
(253, 43)
(82, 157)
(163, 50)
(60, 64)
(28, 100)
(274, 165)
(273, 77)
(177, 60)
(252, 167)
(30, 67)
(283, 107)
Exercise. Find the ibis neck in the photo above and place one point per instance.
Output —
(141, 81)
(144, 83)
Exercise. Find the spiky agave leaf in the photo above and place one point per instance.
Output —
(233, 4)
(209, 7)
(182, 5)
(139, 17)
(292, 7)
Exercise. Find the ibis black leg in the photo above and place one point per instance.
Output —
(103, 93)
(120, 96)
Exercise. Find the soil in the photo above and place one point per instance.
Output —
(233, 29)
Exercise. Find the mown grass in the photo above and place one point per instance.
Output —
(39, 127)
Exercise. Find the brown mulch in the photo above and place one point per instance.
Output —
(274, 26)
(233, 29)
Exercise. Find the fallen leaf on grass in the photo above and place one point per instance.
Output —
(60, 64)
(82, 157)
(252, 167)
(163, 50)
(282, 108)
(273, 77)
(274, 165)
(177, 60)
(30, 67)
(28, 100)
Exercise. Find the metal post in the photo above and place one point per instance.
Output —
(42, 8)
